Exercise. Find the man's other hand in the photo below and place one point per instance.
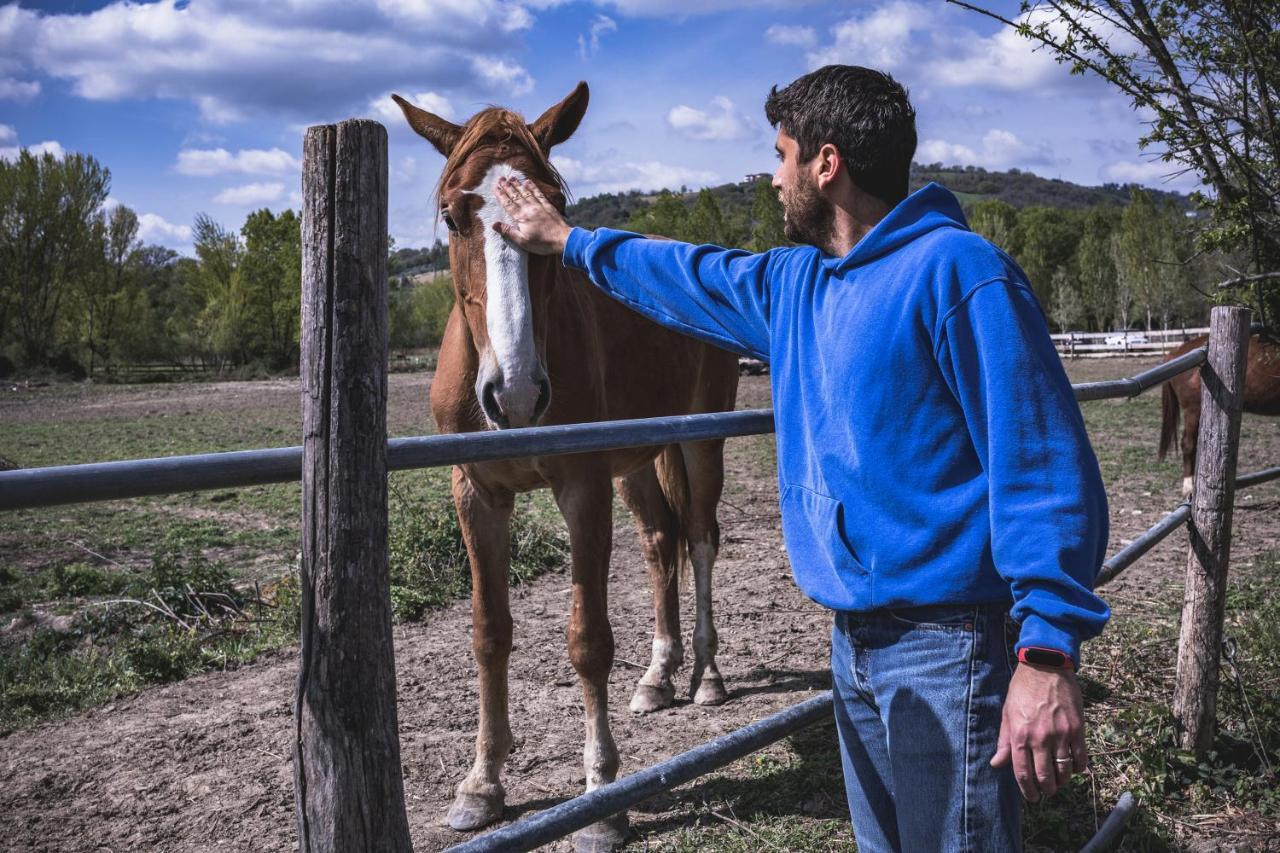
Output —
(536, 226)
(1042, 730)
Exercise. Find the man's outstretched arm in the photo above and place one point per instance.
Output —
(714, 294)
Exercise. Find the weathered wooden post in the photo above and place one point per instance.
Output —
(349, 793)
(1195, 695)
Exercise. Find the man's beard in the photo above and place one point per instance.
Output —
(808, 216)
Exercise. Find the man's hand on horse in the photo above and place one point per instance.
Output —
(1042, 732)
(536, 226)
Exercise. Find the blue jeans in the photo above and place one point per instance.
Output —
(918, 699)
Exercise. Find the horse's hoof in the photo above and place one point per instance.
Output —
(472, 811)
(648, 699)
(710, 692)
(607, 835)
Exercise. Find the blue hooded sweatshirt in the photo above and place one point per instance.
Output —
(930, 449)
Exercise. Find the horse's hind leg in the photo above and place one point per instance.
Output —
(1190, 435)
(704, 465)
(586, 502)
(485, 518)
(660, 540)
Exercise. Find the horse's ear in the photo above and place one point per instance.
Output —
(440, 133)
(558, 123)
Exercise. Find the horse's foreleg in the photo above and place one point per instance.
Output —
(586, 503)
(485, 518)
(659, 538)
(704, 462)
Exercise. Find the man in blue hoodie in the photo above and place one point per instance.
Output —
(938, 489)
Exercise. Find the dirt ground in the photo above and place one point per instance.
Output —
(204, 764)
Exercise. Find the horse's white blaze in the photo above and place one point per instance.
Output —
(508, 311)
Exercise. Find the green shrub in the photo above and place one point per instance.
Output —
(428, 560)
(76, 580)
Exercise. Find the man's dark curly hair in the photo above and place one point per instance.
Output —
(863, 112)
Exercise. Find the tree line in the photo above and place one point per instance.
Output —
(82, 294)
(1096, 268)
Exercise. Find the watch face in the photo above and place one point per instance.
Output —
(1044, 657)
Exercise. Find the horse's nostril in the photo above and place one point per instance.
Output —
(492, 408)
(544, 399)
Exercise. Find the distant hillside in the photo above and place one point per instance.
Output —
(969, 183)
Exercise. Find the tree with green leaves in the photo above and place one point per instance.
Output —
(1096, 266)
(47, 209)
(104, 292)
(666, 217)
(1046, 242)
(271, 273)
(1068, 309)
(705, 223)
(1208, 74)
(768, 230)
(219, 289)
(998, 222)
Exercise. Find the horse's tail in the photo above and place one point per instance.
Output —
(674, 480)
(1169, 419)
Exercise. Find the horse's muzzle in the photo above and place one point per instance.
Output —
(504, 410)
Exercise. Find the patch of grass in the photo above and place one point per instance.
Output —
(1128, 686)
(428, 560)
(788, 797)
(180, 616)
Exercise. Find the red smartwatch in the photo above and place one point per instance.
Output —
(1051, 658)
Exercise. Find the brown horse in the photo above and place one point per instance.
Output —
(531, 342)
(1261, 397)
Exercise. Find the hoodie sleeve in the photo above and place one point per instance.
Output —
(717, 295)
(1047, 505)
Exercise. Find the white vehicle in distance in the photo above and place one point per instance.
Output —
(1125, 339)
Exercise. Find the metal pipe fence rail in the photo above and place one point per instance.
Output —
(29, 488)
(26, 488)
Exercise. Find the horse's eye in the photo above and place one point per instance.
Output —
(448, 221)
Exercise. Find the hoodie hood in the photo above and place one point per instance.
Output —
(925, 210)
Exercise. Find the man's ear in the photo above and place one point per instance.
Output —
(827, 164)
(558, 123)
(440, 133)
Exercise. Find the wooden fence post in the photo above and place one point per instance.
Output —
(1195, 695)
(348, 788)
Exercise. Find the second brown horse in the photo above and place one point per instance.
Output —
(1261, 397)
(531, 342)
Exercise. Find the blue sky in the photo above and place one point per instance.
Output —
(200, 106)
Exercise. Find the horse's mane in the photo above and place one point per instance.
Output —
(496, 124)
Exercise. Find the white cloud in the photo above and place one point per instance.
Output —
(609, 176)
(881, 39)
(250, 194)
(590, 45)
(1152, 173)
(18, 90)
(721, 124)
(7, 133)
(153, 228)
(237, 59)
(388, 111)
(999, 149)
(49, 146)
(505, 77)
(247, 161)
(678, 8)
(924, 45)
(791, 35)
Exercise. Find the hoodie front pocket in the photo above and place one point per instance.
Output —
(811, 525)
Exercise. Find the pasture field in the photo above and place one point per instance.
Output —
(124, 727)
